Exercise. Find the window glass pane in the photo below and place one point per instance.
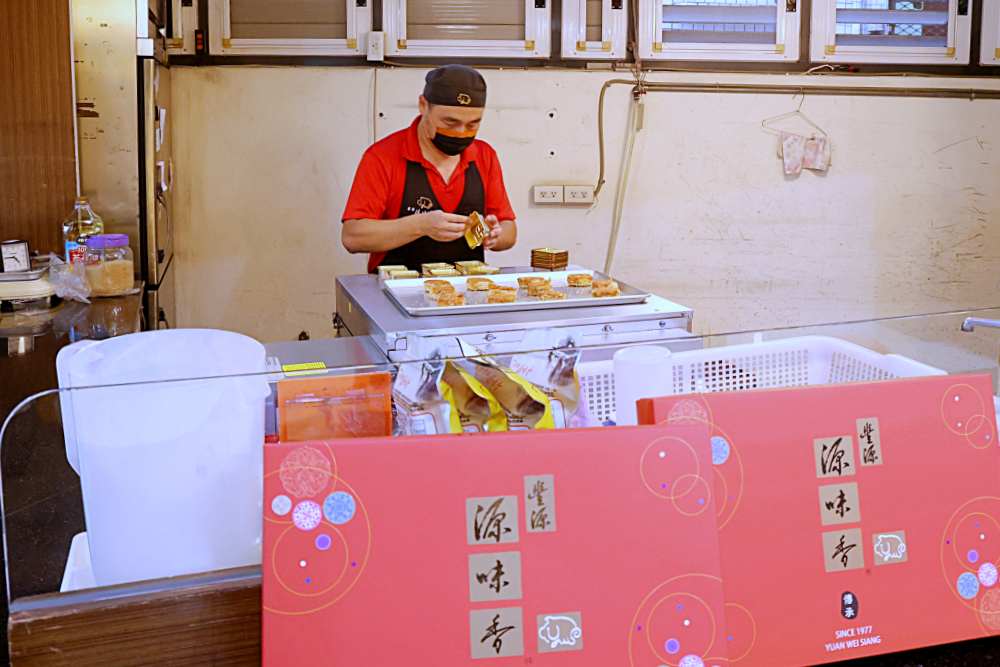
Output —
(594, 8)
(465, 19)
(892, 23)
(288, 19)
(720, 21)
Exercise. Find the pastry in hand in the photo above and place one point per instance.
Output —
(579, 280)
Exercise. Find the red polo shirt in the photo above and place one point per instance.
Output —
(377, 193)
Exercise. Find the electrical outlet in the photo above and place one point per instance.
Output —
(548, 194)
(579, 194)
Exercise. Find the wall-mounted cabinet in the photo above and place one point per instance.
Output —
(733, 30)
(183, 23)
(289, 27)
(990, 48)
(920, 32)
(595, 29)
(467, 28)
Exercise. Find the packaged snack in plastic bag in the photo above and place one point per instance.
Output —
(526, 406)
(474, 408)
(69, 280)
(551, 367)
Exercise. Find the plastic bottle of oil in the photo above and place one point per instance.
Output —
(81, 224)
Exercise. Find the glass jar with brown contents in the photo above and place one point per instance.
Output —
(110, 267)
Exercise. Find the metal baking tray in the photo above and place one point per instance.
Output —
(409, 295)
(20, 276)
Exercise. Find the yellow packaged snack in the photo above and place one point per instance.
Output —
(526, 406)
(476, 230)
(473, 406)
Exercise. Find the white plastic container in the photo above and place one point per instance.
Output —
(788, 362)
(643, 371)
(170, 467)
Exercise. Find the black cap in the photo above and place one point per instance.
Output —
(455, 86)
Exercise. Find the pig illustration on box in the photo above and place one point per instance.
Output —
(559, 631)
(890, 547)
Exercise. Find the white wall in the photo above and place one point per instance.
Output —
(905, 221)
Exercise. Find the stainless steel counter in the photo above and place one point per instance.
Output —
(363, 308)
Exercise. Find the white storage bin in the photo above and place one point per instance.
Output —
(171, 468)
(791, 362)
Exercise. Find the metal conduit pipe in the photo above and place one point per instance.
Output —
(971, 94)
(640, 88)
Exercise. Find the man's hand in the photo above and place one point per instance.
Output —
(494, 236)
(442, 226)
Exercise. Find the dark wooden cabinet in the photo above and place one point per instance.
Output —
(37, 143)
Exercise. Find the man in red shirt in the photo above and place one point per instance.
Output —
(414, 190)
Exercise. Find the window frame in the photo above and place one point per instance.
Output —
(823, 47)
(989, 52)
(614, 31)
(537, 43)
(788, 26)
(359, 24)
(185, 22)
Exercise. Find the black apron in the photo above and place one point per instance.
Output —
(419, 197)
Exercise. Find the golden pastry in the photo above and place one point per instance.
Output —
(426, 269)
(482, 270)
(450, 299)
(502, 296)
(476, 230)
(607, 288)
(431, 286)
(444, 273)
(538, 290)
(385, 270)
(479, 284)
(525, 282)
(551, 295)
(579, 280)
(399, 275)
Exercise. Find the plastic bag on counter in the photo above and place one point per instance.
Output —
(69, 280)
(526, 406)
(421, 409)
(552, 368)
(473, 406)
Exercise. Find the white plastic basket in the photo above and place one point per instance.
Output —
(791, 362)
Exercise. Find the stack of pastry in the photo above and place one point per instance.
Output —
(427, 270)
(479, 284)
(549, 259)
(476, 268)
(386, 270)
(527, 282)
(605, 288)
(443, 293)
(400, 274)
(580, 280)
(502, 294)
